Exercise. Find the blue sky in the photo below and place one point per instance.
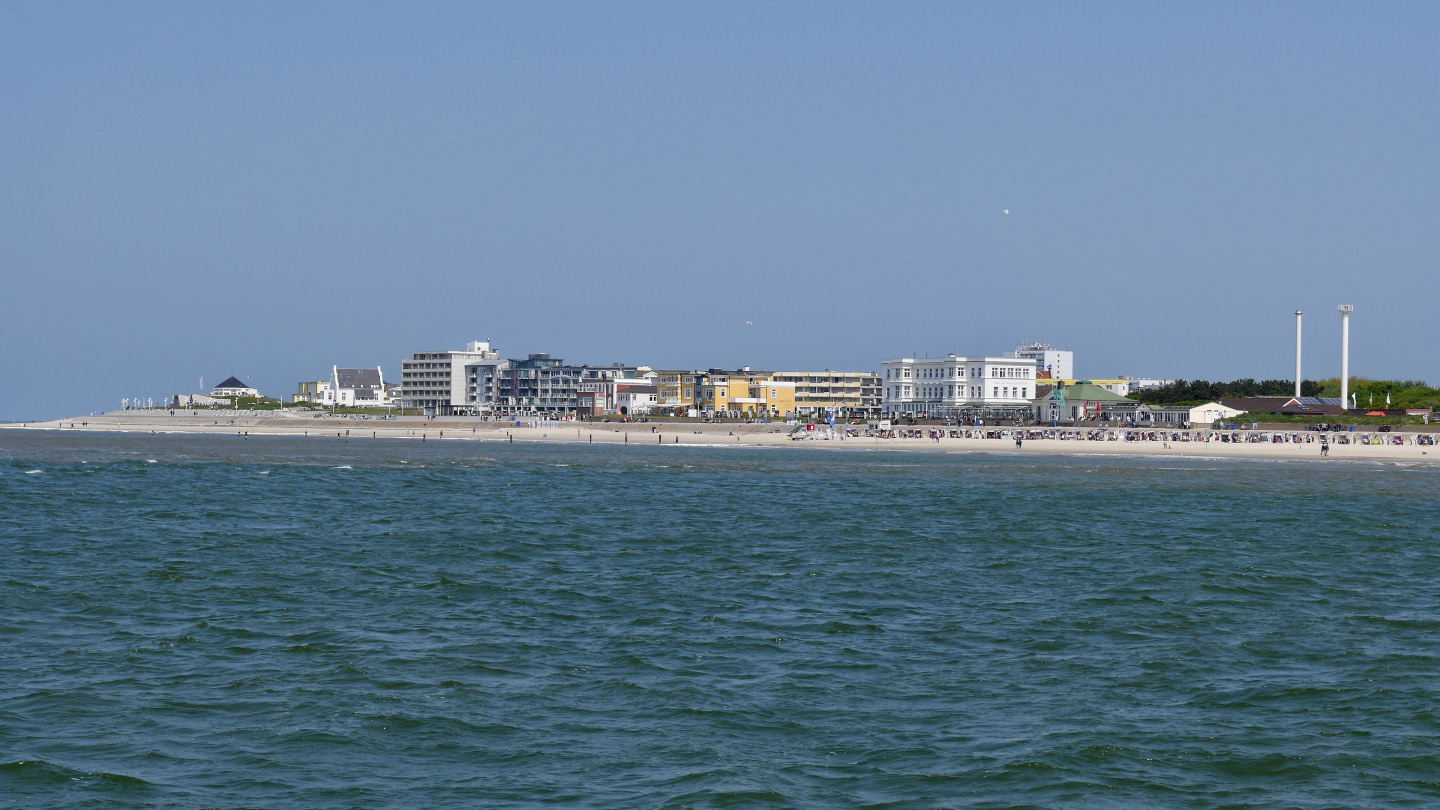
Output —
(270, 189)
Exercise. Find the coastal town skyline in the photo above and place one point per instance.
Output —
(1052, 362)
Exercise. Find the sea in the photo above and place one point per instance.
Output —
(275, 622)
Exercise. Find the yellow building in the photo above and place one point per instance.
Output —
(850, 393)
(737, 393)
(746, 392)
(674, 392)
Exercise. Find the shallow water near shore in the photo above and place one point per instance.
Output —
(199, 621)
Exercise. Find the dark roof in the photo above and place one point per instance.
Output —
(1285, 405)
(1302, 408)
(358, 377)
(233, 383)
(1252, 404)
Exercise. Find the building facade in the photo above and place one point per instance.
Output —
(311, 391)
(733, 393)
(482, 385)
(1145, 383)
(544, 385)
(846, 393)
(601, 394)
(674, 391)
(1082, 401)
(634, 398)
(955, 386)
(1060, 364)
(435, 382)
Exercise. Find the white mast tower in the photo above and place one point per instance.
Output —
(1345, 310)
(1298, 313)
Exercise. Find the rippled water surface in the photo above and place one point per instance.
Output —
(289, 622)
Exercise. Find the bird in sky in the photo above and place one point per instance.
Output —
(1007, 212)
(749, 323)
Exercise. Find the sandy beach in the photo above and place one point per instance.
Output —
(775, 434)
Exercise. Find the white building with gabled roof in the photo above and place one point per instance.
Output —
(356, 388)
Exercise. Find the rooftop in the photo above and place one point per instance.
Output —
(358, 377)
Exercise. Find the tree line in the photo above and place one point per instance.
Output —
(1197, 391)
(1368, 393)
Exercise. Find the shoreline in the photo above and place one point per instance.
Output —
(720, 435)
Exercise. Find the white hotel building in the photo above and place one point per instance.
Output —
(955, 386)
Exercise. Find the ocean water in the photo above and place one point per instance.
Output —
(287, 622)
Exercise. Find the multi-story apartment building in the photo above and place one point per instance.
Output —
(718, 392)
(958, 386)
(436, 381)
(674, 391)
(848, 393)
(541, 384)
(1060, 364)
(482, 384)
(747, 392)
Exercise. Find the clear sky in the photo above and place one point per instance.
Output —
(266, 190)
